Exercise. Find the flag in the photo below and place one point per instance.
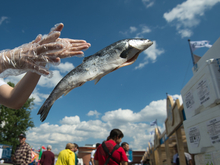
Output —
(41, 151)
(33, 156)
(152, 132)
(199, 44)
(153, 123)
(43, 148)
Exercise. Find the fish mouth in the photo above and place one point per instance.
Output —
(130, 61)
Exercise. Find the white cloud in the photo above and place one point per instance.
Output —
(148, 3)
(141, 30)
(185, 33)
(150, 54)
(133, 29)
(38, 97)
(144, 29)
(187, 15)
(70, 120)
(94, 113)
(50, 82)
(2, 19)
(64, 67)
(134, 125)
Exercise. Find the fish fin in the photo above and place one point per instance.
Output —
(97, 80)
(45, 108)
(67, 92)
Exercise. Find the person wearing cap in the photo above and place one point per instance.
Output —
(22, 154)
(47, 157)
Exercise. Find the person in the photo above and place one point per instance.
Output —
(176, 157)
(67, 156)
(93, 155)
(125, 146)
(22, 155)
(32, 58)
(118, 155)
(47, 157)
(75, 149)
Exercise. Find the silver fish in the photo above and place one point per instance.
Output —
(94, 67)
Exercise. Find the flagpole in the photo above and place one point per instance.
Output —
(191, 52)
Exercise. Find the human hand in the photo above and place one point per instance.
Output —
(36, 54)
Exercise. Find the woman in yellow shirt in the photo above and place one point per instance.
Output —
(66, 157)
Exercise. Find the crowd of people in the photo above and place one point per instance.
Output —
(108, 152)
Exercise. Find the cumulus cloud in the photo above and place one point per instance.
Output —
(70, 120)
(94, 113)
(151, 54)
(2, 19)
(64, 67)
(38, 97)
(155, 110)
(187, 15)
(134, 125)
(50, 82)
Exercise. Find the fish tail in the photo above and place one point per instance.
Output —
(45, 108)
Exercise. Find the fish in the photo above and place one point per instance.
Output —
(119, 54)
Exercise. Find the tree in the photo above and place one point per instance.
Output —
(13, 122)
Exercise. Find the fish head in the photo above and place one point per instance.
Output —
(133, 48)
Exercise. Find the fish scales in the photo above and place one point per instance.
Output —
(94, 67)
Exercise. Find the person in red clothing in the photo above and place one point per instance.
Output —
(119, 155)
(47, 157)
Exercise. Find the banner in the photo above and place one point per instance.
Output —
(199, 44)
(153, 123)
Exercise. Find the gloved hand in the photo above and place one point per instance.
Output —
(36, 54)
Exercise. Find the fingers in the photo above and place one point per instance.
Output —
(47, 48)
(57, 27)
(71, 40)
(52, 37)
(38, 38)
(72, 50)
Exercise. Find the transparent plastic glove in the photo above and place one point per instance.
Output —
(35, 55)
(31, 56)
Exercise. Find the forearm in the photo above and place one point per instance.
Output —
(124, 163)
(96, 162)
(17, 96)
(92, 160)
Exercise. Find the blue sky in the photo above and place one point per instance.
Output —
(129, 98)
